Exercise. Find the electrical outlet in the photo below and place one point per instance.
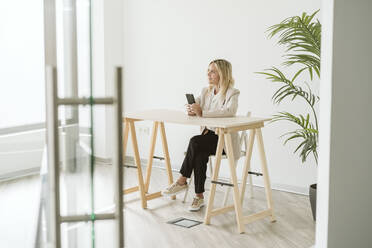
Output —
(140, 130)
(146, 130)
(143, 130)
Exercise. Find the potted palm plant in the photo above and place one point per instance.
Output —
(301, 35)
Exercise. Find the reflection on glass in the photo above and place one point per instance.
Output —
(76, 234)
(85, 186)
(75, 155)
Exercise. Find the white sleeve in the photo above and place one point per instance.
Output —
(229, 109)
(198, 100)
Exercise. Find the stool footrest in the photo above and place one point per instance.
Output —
(222, 210)
(222, 183)
(153, 195)
(130, 166)
(156, 157)
(257, 216)
(255, 173)
(131, 190)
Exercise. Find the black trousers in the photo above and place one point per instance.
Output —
(197, 155)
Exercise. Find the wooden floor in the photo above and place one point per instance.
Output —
(148, 228)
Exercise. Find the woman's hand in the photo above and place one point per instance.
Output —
(189, 111)
(195, 109)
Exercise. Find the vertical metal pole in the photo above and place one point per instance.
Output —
(71, 137)
(54, 237)
(50, 45)
(52, 201)
(70, 65)
(70, 76)
(118, 157)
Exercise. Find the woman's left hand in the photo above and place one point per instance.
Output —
(196, 109)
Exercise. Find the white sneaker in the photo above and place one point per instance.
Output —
(174, 189)
(197, 204)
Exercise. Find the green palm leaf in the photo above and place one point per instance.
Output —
(302, 35)
(307, 134)
(289, 89)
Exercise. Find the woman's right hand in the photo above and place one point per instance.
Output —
(189, 111)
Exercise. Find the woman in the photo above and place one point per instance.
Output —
(220, 99)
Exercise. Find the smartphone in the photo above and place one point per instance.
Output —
(190, 98)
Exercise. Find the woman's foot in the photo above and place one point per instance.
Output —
(175, 188)
(196, 204)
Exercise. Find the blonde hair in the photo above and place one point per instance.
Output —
(224, 70)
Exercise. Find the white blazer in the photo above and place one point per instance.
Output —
(218, 106)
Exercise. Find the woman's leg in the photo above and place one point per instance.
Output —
(200, 173)
(200, 147)
(198, 151)
(189, 160)
(186, 169)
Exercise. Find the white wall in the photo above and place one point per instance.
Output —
(345, 198)
(167, 47)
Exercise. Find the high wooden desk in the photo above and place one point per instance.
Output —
(224, 127)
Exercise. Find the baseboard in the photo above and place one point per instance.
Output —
(103, 161)
(291, 188)
(19, 174)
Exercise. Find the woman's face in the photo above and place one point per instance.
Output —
(213, 76)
